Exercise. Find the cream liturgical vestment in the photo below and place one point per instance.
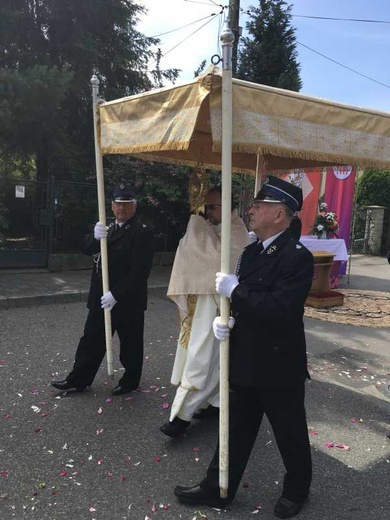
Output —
(192, 288)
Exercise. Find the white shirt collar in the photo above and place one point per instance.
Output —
(269, 240)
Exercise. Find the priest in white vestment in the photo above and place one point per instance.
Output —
(192, 288)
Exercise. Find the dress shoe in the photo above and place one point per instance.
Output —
(65, 385)
(207, 413)
(196, 495)
(175, 428)
(284, 508)
(119, 390)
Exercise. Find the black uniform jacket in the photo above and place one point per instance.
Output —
(130, 256)
(268, 347)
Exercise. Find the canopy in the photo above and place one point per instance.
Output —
(183, 124)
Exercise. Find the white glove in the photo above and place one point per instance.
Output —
(225, 283)
(221, 330)
(100, 231)
(253, 237)
(108, 301)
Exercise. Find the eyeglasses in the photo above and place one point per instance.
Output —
(209, 207)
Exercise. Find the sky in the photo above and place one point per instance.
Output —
(364, 47)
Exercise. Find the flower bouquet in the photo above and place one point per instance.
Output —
(326, 224)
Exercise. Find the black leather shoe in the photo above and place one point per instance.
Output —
(65, 385)
(175, 428)
(207, 413)
(196, 495)
(284, 508)
(119, 390)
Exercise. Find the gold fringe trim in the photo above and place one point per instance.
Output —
(145, 148)
(186, 322)
(306, 155)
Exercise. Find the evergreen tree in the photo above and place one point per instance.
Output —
(48, 52)
(268, 55)
(373, 188)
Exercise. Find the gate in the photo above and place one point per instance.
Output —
(359, 231)
(41, 218)
(24, 236)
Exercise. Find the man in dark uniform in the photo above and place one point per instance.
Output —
(130, 255)
(268, 364)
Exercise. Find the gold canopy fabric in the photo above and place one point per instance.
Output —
(289, 130)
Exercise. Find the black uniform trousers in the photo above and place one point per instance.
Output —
(92, 348)
(284, 408)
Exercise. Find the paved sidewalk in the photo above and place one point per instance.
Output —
(21, 288)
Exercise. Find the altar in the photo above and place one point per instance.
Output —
(334, 246)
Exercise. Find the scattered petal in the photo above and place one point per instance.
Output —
(195, 448)
(41, 485)
(109, 400)
(343, 447)
(100, 461)
(65, 446)
(122, 478)
(91, 509)
(43, 414)
(154, 508)
(38, 429)
(166, 406)
(314, 432)
(4, 473)
(110, 474)
(100, 410)
(157, 459)
(329, 444)
(99, 431)
(63, 473)
(7, 416)
(4, 496)
(129, 398)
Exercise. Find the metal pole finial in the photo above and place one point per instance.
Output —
(227, 35)
(227, 39)
(94, 81)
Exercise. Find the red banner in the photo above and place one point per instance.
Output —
(339, 190)
(310, 182)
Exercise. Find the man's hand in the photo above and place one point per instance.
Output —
(225, 283)
(108, 301)
(100, 231)
(221, 330)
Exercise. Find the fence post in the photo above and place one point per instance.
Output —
(375, 228)
(51, 188)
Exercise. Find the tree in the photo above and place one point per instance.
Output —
(268, 55)
(373, 188)
(48, 51)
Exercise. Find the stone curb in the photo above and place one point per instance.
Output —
(46, 299)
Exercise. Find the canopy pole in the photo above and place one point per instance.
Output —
(260, 171)
(102, 218)
(227, 39)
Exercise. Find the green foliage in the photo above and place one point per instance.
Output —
(373, 188)
(268, 56)
(48, 51)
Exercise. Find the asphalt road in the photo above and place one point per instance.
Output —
(87, 456)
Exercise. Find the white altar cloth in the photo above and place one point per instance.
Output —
(335, 246)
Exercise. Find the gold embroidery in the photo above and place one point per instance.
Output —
(186, 322)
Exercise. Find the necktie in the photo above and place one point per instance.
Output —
(260, 246)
